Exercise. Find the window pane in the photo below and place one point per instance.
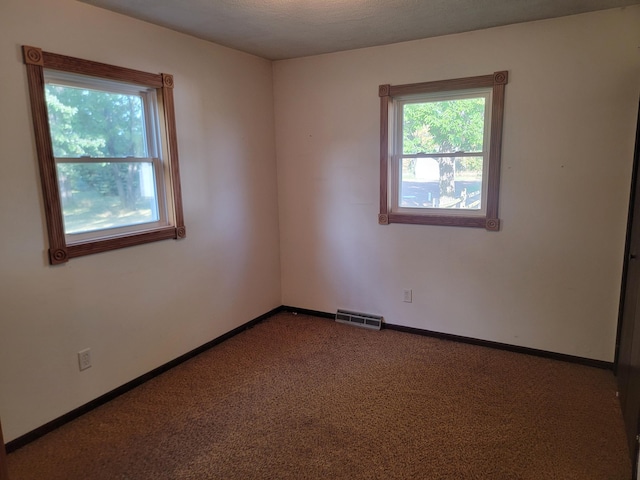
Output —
(443, 126)
(94, 123)
(96, 196)
(442, 182)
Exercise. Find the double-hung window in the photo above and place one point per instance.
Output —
(107, 149)
(440, 152)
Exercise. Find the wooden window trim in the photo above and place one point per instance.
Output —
(59, 252)
(497, 81)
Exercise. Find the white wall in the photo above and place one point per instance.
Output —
(140, 307)
(550, 278)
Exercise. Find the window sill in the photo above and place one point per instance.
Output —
(492, 224)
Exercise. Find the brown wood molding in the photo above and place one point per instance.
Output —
(46, 162)
(443, 220)
(58, 255)
(4, 472)
(500, 78)
(32, 55)
(444, 85)
(63, 63)
(495, 152)
(129, 240)
(384, 159)
(167, 80)
(59, 252)
(174, 164)
(493, 224)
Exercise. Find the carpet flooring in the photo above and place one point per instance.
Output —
(299, 397)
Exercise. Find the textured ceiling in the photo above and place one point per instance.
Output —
(279, 29)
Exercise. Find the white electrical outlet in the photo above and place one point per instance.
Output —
(408, 296)
(84, 359)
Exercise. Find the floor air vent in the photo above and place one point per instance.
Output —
(365, 320)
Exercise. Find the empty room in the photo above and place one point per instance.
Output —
(304, 239)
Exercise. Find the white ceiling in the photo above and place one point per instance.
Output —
(279, 29)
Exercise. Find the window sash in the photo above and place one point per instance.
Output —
(416, 99)
(397, 154)
(152, 123)
(159, 189)
(396, 189)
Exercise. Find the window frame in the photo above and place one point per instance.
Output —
(390, 97)
(61, 249)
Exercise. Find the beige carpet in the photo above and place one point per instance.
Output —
(298, 397)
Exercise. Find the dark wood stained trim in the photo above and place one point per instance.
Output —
(490, 220)
(32, 55)
(87, 407)
(384, 157)
(4, 473)
(501, 78)
(493, 224)
(80, 66)
(482, 81)
(448, 221)
(129, 240)
(473, 341)
(495, 152)
(502, 346)
(59, 252)
(167, 80)
(48, 174)
(305, 311)
(174, 165)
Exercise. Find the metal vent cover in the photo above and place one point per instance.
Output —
(364, 320)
